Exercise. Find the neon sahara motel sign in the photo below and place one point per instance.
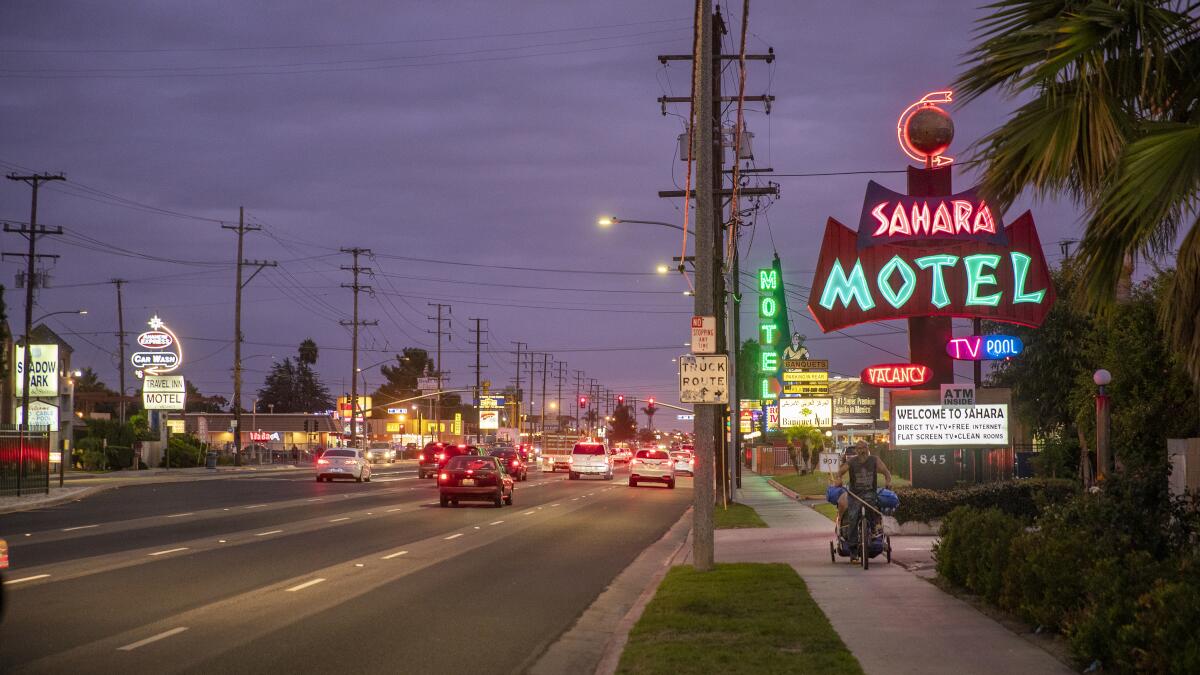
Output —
(896, 375)
(984, 347)
(930, 256)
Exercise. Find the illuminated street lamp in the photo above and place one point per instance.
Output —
(1102, 378)
(609, 221)
(662, 269)
(80, 312)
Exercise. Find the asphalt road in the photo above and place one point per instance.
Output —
(280, 573)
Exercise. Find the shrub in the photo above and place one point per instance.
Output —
(1164, 626)
(119, 457)
(1046, 577)
(1023, 499)
(184, 451)
(93, 460)
(1100, 630)
(974, 548)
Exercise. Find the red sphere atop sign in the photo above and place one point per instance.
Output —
(925, 131)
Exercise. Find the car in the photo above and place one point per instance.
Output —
(343, 463)
(451, 451)
(428, 462)
(685, 462)
(3, 566)
(622, 453)
(380, 451)
(590, 459)
(472, 477)
(652, 466)
(512, 460)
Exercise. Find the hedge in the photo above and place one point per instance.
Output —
(1022, 499)
(1131, 602)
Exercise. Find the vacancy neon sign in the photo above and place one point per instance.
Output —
(984, 347)
(896, 375)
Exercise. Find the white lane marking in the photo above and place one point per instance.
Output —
(574, 499)
(338, 520)
(180, 515)
(554, 505)
(496, 523)
(24, 579)
(153, 638)
(527, 513)
(398, 508)
(300, 587)
(391, 480)
(393, 555)
(78, 527)
(170, 550)
(263, 534)
(454, 536)
(314, 499)
(915, 549)
(256, 506)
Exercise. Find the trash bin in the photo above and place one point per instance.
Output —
(210, 460)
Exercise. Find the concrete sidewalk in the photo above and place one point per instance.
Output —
(893, 621)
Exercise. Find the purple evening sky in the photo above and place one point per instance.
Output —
(486, 133)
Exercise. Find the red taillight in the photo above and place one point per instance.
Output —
(422, 457)
(470, 471)
(322, 461)
(441, 456)
(444, 476)
(515, 462)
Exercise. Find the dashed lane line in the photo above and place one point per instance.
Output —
(153, 638)
(10, 582)
(394, 555)
(528, 513)
(170, 550)
(338, 520)
(79, 527)
(496, 523)
(300, 587)
(263, 534)
(255, 506)
(454, 536)
(180, 515)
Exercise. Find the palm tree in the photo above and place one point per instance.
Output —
(1112, 121)
(308, 352)
(650, 410)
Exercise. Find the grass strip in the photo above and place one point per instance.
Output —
(736, 516)
(738, 618)
(827, 510)
(817, 482)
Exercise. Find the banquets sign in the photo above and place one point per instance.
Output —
(930, 256)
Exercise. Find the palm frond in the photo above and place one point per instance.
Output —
(1156, 186)
(1180, 315)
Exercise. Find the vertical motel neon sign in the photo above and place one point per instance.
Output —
(773, 329)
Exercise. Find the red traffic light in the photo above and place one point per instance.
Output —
(620, 399)
(650, 402)
(582, 401)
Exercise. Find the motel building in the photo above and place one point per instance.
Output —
(265, 435)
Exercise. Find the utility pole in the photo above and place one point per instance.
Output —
(707, 267)
(545, 369)
(480, 339)
(518, 385)
(121, 341)
(355, 269)
(241, 229)
(437, 401)
(562, 367)
(532, 390)
(34, 181)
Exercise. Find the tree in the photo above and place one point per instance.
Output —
(624, 425)
(294, 387)
(748, 361)
(1114, 123)
(199, 403)
(401, 378)
(89, 382)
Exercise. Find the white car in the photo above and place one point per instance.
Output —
(380, 451)
(685, 462)
(343, 463)
(652, 466)
(590, 459)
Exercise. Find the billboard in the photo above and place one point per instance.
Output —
(854, 401)
(924, 426)
(806, 412)
(43, 370)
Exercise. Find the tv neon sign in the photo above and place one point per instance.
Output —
(896, 375)
(984, 347)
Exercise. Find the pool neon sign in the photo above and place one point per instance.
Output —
(984, 347)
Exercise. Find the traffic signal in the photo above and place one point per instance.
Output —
(582, 402)
(620, 399)
(650, 402)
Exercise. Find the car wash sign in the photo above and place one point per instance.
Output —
(160, 352)
(930, 256)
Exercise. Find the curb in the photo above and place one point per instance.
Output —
(620, 637)
(792, 494)
(55, 501)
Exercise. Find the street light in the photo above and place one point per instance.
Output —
(609, 221)
(41, 318)
(662, 269)
(1102, 378)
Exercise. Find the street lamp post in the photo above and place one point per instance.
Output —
(1102, 378)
